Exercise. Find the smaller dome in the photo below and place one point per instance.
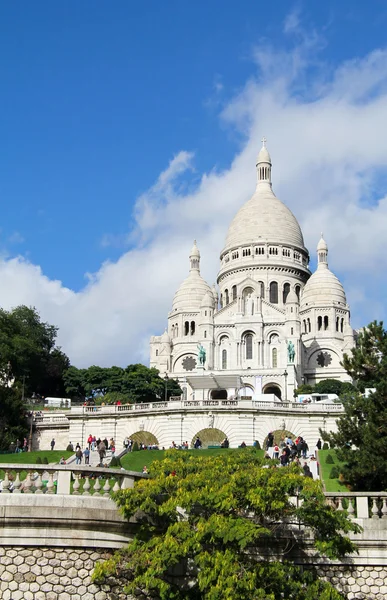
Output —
(323, 288)
(165, 338)
(292, 298)
(208, 300)
(190, 294)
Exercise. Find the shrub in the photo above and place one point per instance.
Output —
(39, 460)
(325, 446)
(257, 445)
(115, 462)
(335, 472)
(69, 448)
(329, 460)
(135, 447)
(45, 460)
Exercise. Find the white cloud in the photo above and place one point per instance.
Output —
(328, 148)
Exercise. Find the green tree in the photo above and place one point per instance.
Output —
(211, 529)
(13, 419)
(74, 381)
(361, 437)
(305, 388)
(329, 386)
(146, 385)
(28, 344)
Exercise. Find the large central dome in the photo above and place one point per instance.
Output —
(264, 218)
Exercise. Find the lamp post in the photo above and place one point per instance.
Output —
(286, 385)
(166, 386)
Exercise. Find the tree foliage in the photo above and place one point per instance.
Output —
(361, 438)
(135, 383)
(28, 344)
(326, 386)
(213, 528)
(13, 420)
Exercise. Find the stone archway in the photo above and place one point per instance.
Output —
(279, 434)
(209, 437)
(218, 394)
(273, 388)
(144, 437)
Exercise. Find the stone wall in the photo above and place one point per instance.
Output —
(53, 574)
(65, 574)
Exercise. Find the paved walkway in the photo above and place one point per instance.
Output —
(312, 463)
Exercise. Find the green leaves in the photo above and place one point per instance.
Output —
(219, 529)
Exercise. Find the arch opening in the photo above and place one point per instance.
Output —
(209, 437)
(144, 437)
(272, 388)
(218, 394)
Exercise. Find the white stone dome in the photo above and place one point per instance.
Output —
(264, 218)
(323, 288)
(190, 294)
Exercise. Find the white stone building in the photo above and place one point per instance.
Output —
(271, 324)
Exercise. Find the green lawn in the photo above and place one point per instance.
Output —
(135, 461)
(331, 485)
(29, 458)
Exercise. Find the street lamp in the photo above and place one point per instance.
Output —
(166, 386)
(286, 385)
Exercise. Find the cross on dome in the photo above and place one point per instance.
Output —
(264, 140)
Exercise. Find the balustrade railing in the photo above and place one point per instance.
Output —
(176, 404)
(360, 505)
(65, 479)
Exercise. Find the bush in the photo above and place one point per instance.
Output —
(45, 460)
(325, 446)
(115, 462)
(39, 460)
(329, 460)
(135, 447)
(335, 472)
(257, 445)
(69, 448)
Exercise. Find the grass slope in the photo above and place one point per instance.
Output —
(331, 485)
(135, 461)
(29, 458)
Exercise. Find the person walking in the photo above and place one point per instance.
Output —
(78, 457)
(86, 454)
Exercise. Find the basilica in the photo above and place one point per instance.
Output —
(270, 324)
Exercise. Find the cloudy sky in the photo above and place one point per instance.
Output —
(129, 129)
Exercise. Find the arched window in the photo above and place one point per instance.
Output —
(226, 298)
(326, 322)
(261, 288)
(297, 289)
(205, 334)
(176, 329)
(274, 292)
(342, 326)
(224, 359)
(319, 323)
(186, 328)
(173, 331)
(285, 292)
(157, 352)
(234, 292)
(249, 346)
(274, 358)
(221, 301)
(337, 323)
(309, 326)
(192, 327)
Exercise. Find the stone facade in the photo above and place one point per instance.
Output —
(66, 574)
(54, 574)
(266, 302)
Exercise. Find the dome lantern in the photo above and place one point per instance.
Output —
(194, 258)
(263, 165)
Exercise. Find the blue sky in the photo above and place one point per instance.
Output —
(99, 99)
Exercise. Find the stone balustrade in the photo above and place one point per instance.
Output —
(57, 479)
(360, 505)
(176, 405)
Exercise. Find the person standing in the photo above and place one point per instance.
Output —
(86, 454)
(52, 444)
